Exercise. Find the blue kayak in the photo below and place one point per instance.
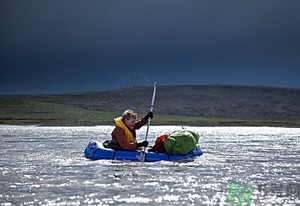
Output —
(96, 151)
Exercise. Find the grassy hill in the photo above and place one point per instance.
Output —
(174, 104)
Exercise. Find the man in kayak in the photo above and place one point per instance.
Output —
(124, 135)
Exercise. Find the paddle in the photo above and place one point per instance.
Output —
(149, 120)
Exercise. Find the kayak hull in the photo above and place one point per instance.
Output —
(96, 151)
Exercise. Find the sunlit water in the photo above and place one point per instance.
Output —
(46, 166)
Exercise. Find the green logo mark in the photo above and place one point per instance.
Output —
(239, 193)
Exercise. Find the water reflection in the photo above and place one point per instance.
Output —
(46, 166)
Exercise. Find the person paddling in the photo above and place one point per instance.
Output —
(124, 134)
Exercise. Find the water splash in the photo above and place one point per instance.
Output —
(134, 79)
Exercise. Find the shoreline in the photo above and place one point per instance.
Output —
(165, 124)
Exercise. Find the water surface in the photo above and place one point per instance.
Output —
(46, 166)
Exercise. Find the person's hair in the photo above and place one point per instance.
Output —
(128, 114)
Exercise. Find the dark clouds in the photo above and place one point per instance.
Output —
(65, 46)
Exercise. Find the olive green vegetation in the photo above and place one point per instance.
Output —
(31, 112)
(43, 113)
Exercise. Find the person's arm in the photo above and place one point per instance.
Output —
(120, 136)
(143, 121)
(140, 123)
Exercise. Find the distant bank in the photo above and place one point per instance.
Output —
(174, 104)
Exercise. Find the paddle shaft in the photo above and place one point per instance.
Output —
(151, 109)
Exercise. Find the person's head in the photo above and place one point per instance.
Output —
(129, 118)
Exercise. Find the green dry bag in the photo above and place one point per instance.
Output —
(181, 141)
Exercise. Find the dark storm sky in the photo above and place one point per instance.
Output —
(74, 46)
